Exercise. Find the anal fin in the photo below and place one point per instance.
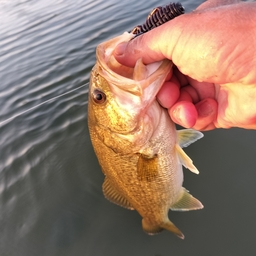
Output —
(185, 160)
(114, 196)
(147, 167)
(186, 202)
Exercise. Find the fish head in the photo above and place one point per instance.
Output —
(119, 96)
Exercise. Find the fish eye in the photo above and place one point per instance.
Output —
(99, 96)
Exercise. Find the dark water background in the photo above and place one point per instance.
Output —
(51, 201)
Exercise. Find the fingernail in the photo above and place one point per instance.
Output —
(176, 115)
(119, 50)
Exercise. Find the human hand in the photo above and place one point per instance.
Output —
(213, 84)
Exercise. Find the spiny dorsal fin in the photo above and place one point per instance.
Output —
(188, 136)
(114, 196)
(185, 160)
(147, 167)
(186, 202)
(140, 71)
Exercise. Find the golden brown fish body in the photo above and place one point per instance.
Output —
(136, 142)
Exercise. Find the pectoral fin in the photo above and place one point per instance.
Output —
(188, 136)
(185, 160)
(147, 167)
(114, 196)
(186, 202)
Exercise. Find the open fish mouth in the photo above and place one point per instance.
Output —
(141, 81)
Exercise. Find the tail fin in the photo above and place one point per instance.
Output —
(168, 225)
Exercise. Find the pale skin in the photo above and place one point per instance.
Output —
(213, 82)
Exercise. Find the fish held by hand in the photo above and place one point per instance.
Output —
(136, 143)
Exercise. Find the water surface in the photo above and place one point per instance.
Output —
(51, 201)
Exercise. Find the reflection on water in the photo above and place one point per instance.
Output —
(51, 201)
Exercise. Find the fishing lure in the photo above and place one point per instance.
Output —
(158, 16)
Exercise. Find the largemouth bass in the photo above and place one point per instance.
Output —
(136, 143)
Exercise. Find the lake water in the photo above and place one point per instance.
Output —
(51, 201)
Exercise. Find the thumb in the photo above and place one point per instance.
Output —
(149, 46)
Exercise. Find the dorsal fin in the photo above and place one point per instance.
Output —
(114, 196)
(186, 202)
(188, 136)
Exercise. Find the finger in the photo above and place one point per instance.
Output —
(181, 77)
(207, 115)
(169, 94)
(203, 89)
(129, 52)
(151, 47)
(201, 116)
(191, 92)
(185, 96)
(184, 113)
